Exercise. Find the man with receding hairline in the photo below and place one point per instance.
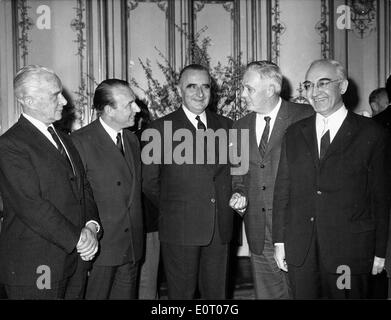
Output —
(253, 191)
(331, 199)
(50, 218)
(195, 221)
(111, 157)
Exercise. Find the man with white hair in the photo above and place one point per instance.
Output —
(50, 218)
(267, 123)
(331, 199)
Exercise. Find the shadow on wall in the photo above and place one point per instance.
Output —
(286, 89)
(68, 114)
(351, 98)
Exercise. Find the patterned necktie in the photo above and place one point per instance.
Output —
(200, 124)
(60, 147)
(119, 143)
(265, 137)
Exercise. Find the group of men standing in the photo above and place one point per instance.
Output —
(315, 197)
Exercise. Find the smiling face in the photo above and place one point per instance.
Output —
(327, 100)
(123, 113)
(194, 89)
(44, 100)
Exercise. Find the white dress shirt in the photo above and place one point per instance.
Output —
(112, 133)
(334, 122)
(260, 122)
(192, 117)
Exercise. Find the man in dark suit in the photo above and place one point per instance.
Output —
(331, 201)
(266, 124)
(111, 157)
(195, 224)
(379, 101)
(50, 217)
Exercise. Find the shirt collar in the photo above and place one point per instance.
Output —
(111, 132)
(336, 117)
(37, 123)
(192, 116)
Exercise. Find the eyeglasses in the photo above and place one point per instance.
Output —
(322, 84)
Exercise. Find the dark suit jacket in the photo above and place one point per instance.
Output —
(345, 195)
(190, 197)
(258, 184)
(45, 206)
(116, 183)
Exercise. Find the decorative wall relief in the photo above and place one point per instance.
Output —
(277, 29)
(78, 25)
(363, 16)
(324, 30)
(25, 23)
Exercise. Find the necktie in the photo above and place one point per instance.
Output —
(265, 137)
(324, 144)
(325, 140)
(200, 124)
(60, 147)
(119, 143)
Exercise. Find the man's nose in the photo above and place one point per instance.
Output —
(200, 92)
(135, 107)
(63, 101)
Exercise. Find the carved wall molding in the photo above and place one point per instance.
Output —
(24, 24)
(363, 16)
(324, 30)
(277, 29)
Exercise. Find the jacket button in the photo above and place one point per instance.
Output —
(126, 230)
(263, 209)
(213, 200)
(118, 183)
(319, 192)
(262, 166)
(263, 187)
(312, 219)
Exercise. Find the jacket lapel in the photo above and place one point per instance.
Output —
(342, 138)
(107, 144)
(279, 128)
(130, 161)
(309, 131)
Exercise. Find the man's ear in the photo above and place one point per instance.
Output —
(107, 109)
(178, 88)
(27, 101)
(344, 86)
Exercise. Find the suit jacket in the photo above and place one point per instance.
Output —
(258, 183)
(384, 118)
(45, 206)
(345, 196)
(116, 184)
(192, 198)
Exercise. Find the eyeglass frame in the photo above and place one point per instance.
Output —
(324, 85)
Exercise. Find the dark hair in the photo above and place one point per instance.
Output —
(103, 93)
(375, 94)
(388, 87)
(194, 66)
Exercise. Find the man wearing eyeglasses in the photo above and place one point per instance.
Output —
(331, 199)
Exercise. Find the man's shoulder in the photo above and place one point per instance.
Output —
(85, 132)
(244, 121)
(224, 121)
(299, 111)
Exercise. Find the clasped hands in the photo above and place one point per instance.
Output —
(238, 202)
(88, 243)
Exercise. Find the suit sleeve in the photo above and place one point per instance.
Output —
(281, 197)
(91, 210)
(22, 182)
(239, 177)
(379, 180)
(150, 171)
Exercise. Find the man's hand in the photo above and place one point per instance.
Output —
(238, 202)
(279, 256)
(88, 244)
(378, 265)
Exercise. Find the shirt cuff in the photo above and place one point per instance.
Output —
(278, 244)
(95, 223)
